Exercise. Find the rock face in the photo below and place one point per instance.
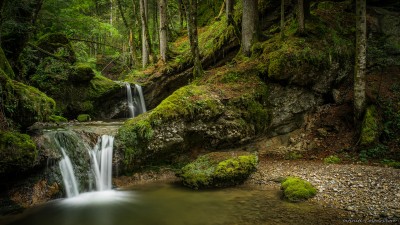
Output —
(192, 116)
(218, 169)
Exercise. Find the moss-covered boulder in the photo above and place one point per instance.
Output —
(218, 169)
(27, 105)
(17, 152)
(296, 189)
(57, 119)
(81, 73)
(83, 118)
(371, 128)
(24, 104)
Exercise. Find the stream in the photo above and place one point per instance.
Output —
(171, 204)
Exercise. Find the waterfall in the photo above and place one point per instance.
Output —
(68, 142)
(130, 100)
(67, 172)
(136, 103)
(101, 156)
(140, 99)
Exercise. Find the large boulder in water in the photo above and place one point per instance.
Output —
(218, 169)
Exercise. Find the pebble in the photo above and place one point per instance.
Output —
(364, 191)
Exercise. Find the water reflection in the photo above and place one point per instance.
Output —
(167, 204)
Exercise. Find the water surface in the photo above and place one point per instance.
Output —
(169, 204)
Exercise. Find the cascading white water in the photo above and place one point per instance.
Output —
(141, 104)
(130, 100)
(67, 172)
(101, 165)
(101, 156)
(136, 103)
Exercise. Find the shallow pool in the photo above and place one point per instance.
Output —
(170, 204)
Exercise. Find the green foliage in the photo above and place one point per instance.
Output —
(391, 163)
(377, 151)
(218, 170)
(81, 73)
(296, 189)
(370, 130)
(17, 152)
(332, 159)
(83, 118)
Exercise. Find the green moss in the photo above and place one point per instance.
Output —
(218, 170)
(25, 104)
(81, 73)
(17, 152)
(296, 189)
(332, 159)
(293, 155)
(370, 130)
(57, 119)
(83, 118)
(5, 65)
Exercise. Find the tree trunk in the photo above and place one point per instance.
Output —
(229, 11)
(131, 42)
(191, 14)
(300, 15)
(145, 36)
(249, 25)
(360, 66)
(181, 14)
(163, 30)
(282, 18)
(307, 13)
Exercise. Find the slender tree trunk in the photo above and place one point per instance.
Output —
(145, 36)
(191, 14)
(111, 12)
(163, 30)
(229, 11)
(307, 13)
(249, 25)
(360, 66)
(154, 33)
(181, 14)
(131, 42)
(300, 16)
(282, 18)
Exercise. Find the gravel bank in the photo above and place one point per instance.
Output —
(364, 191)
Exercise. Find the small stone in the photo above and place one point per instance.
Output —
(350, 208)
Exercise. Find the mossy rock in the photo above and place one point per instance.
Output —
(25, 104)
(296, 189)
(218, 169)
(371, 129)
(17, 152)
(81, 74)
(83, 118)
(57, 119)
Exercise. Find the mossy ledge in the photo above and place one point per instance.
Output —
(296, 189)
(218, 169)
(193, 116)
(17, 152)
